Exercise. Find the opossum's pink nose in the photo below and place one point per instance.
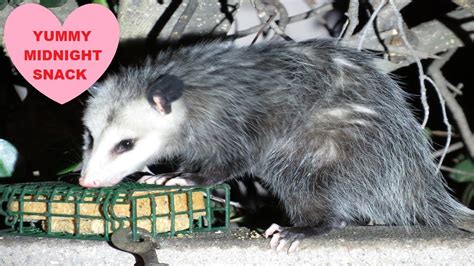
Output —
(83, 181)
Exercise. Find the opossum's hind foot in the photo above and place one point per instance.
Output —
(168, 179)
(283, 236)
(289, 238)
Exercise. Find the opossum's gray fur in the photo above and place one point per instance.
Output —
(331, 135)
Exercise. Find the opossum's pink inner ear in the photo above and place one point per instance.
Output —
(163, 91)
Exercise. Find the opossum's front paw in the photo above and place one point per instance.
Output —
(284, 238)
(159, 179)
(169, 179)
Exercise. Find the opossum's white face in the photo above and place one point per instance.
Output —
(131, 139)
(120, 142)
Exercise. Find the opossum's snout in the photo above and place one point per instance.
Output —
(93, 176)
(112, 159)
(94, 182)
(89, 183)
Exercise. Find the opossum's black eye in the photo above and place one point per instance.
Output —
(124, 146)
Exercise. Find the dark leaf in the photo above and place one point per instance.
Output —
(466, 166)
(52, 3)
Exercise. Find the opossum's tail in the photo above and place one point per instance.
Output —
(442, 204)
(466, 225)
(463, 217)
(444, 209)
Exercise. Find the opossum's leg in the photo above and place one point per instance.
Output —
(289, 238)
(181, 179)
(205, 179)
(195, 179)
(303, 191)
(190, 175)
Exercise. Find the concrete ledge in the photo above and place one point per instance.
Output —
(354, 245)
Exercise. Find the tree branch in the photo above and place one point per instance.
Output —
(466, 4)
(312, 13)
(458, 114)
(454, 147)
(432, 36)
(456, 171)
(352, 18)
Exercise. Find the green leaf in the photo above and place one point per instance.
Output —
(468, 194)
(69, 169)
(8, 158)
(101, 2)
(466, 166)
(16, 3)
(3, 4)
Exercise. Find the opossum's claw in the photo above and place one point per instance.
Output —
(294, 246)
(152, 179)
(169, 179)
(178, 181)
(147, 179)
(281, 244)
(283, 238)
(161, 179)
(274, 228)
(289, 238)
(274, 242)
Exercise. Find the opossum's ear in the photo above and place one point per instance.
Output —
(163, 91)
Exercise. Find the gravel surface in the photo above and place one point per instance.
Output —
(354, 245)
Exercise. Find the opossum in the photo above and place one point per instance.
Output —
(330, 135)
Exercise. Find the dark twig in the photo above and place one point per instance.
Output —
(456, 171)
(441, 133)
(231, 203)
(352, 18)
(456, 89)
(262, 29)
(266, 10)
(369, 24)
(422, 76)
(454, 147)
(180, 26)
(283, 15)
(466, 4)
(312, 13)
(459, 117)
(432, 36)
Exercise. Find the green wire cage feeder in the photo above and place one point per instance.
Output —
(56, 209)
